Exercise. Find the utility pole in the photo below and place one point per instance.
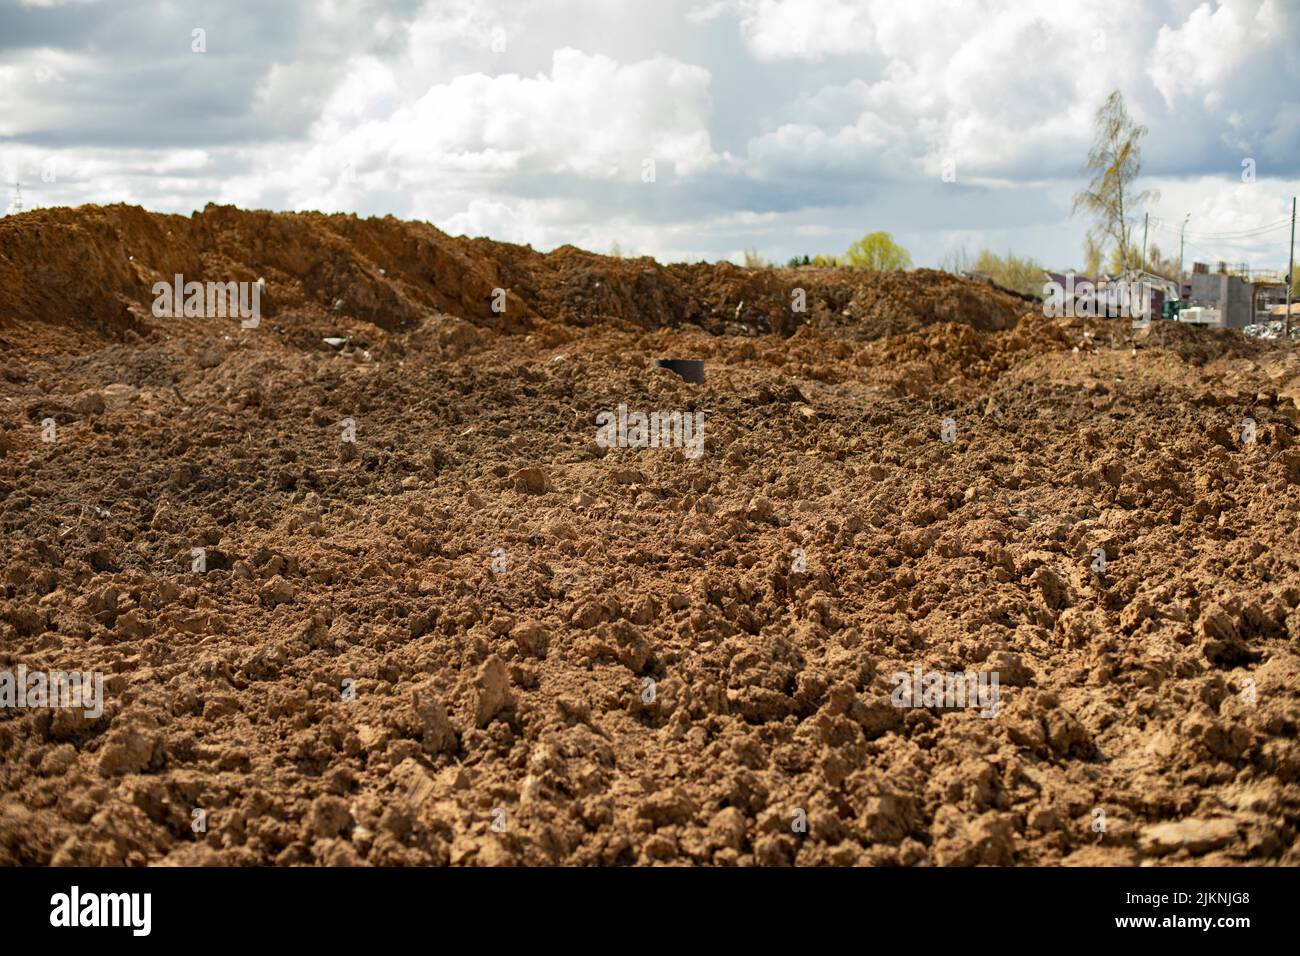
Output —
(17, 204)
(1145, 217)
(1290, 279)
(1180, 254)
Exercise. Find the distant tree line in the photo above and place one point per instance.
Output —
(876, 250)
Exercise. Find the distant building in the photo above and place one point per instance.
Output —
(1080, 294)
(1236, 294)
(1135, 294)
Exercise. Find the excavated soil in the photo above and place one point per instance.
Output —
(474, 636)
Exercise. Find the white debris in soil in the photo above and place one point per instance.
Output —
(1271, 329)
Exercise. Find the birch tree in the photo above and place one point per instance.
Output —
(1113, 165)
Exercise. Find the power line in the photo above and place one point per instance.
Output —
(1209, 256)
(1267, 225)
(1244, 234)
(1240, 234)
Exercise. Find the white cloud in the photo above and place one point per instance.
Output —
(1232, 222)
(987, 85)
(788, 126)
(806, 29)
(1223, 71)
(590, 116)
(1210, 46)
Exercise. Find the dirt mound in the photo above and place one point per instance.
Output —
(100, 264)
(1198, 346)
(97, 266)
(402, 602)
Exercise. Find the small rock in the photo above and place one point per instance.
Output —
(276, 591)
(1011, 670)
(532, 481)
(727, 829)
(89, 403)
(1221, 640)
(58, 761)
(329, 816)
(183, 475)
(666, 807)
(1195, 836)
(127, 751)
(454, 777)
(1056, 593)
(532, 638)
(435, 727)
(492, 690)
(372, 737)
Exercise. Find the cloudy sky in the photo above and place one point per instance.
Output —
(788, 126)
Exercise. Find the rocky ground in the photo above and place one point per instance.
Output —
(475, 636)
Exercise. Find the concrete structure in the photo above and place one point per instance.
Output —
(1237, 295)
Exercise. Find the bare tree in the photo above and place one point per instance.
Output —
(1114, 162)
(956, 261)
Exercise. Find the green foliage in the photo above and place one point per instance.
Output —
(877, 250)
(1166, 266)
(1011, 271)
(1092, 255)
(1155, 262)
(827, 262)
(1131, 256)
(754, 261)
